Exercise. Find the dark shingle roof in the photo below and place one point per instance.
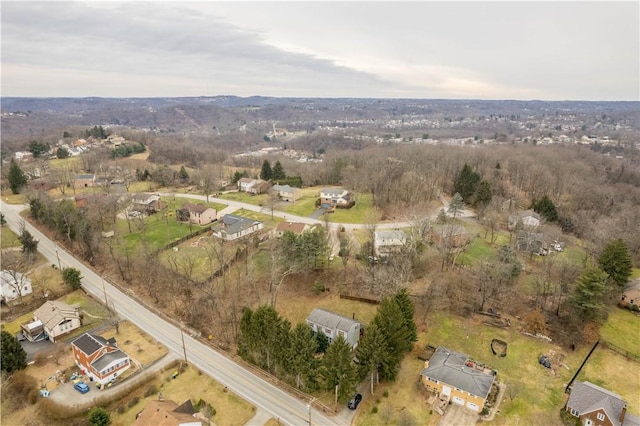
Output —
(450, 367)
(107, 359)
(88, 343)
(586, 397)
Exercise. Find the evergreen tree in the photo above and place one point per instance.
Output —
(546, 208)
(483, 194)
(403, 299)
(338, 369)
(323, 343)
(16, 177)
(29, 244)
(62, 153)
(12, 356)
(278, 172)
(588, 293)
(301, 360)
(266, 173)
(391, 322)
(72, 277)
(38, 148)
(183, 175)
(373, 354)
(98, 416)
(466, 183)
(456, 205)
(615, 260)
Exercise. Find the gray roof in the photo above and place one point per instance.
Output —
(586, 397)
(332, 191)
(90, 343)
(630, 420)
(391, 235)
(450, 367)
(234, 224)
(330, 320)
(52, 312)
(85, 177)
(107, 359)
(283, 188)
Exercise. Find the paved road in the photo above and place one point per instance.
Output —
(254, 389)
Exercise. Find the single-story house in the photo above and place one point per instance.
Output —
(252, 186)
(597, 406)
(57, 318)
(387, 242)
(234, 227)
(147, 203)
(527, 219)
(454, 376)
(334, 325)
(295, 227)
(84, 181)
(336, 197)
(196, 213)
(285, 192)
(161, 412)
(99, 358)
(14, 285)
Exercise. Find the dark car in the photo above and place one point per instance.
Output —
(81, 387)
(353, 404)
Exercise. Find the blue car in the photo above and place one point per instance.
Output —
(81, 387)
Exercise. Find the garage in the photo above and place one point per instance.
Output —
(458, 400)
(473, 406)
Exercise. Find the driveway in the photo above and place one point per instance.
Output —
(33, 348)
(458, 415)
(318, 213)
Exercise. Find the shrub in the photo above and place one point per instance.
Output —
(385, 393)
(133, 402)
(151, 390)
(20, 391)
(318, 287)
(374, 410)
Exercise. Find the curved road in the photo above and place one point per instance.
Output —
(254, 389)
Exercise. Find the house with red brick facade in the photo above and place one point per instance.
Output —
(99, 358)
(597, 406)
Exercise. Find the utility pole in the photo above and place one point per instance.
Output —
(58, 256)
(184, 348)
(104, 289)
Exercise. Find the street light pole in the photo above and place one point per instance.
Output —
(309, 409)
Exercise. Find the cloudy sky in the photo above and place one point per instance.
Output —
(481, 50)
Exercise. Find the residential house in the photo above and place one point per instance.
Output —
(388, 242)
(631, 296)
(23, 155)
(334, 325)
(57, 319)
(234, 227)
(528, 220)
(161, 412)
(336, 197)
(13, 285)
(99, 358)
(196, 213)
(84, 181)
(596, 406)
(116, 140)
(252, 186)
(147, 203)
(285, 192)
(453, 376)
(295, 227)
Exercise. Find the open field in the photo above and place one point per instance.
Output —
(8, 238)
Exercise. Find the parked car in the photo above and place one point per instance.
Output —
(81, 387)
(353, 404)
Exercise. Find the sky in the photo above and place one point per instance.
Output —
(568, 50)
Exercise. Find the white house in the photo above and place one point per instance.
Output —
(13, 285)
(336, 197)
(387, 242)
(252, 186)
(234, 227)
(334, 325)
(58, 319)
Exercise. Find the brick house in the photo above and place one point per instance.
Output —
(252, 186)
(84, 181)
(336, 197)
(99, 358)
(596, 406)
(454, 376)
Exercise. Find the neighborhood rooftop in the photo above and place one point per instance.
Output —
(52, 312)
(586, 397)
(331, 320)
(90, 343)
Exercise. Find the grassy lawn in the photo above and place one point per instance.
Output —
(258, 200)
(10, 198)
(8, 238)
(264, 218)
(303, 206)
(478, 249)
(357, 213)
(191, 384)
(194, 255)
(136, 343)
(622, 329)
(635, 273)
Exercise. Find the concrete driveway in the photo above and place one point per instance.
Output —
(458, 415)
(33, 348)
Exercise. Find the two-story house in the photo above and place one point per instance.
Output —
(388, 242)
(196, 213)
(285, 192)
(99, 358)
(252, 186)
(334, 325)
(58, 319)
(597, 406)
(336, 197)
(455, 377)
(147, 203)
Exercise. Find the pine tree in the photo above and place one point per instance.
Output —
(483, 194)
(301, 359)
(98, 416)
(183, 175)
(403, 299)
(338, 369)
(12, 356)
(391, 322)
(373, 354)
(615, 260)
(266, 173)
(466, 183)
(546, 208)
(588, 293)
(278, 172)
(456, 205)
(29, 244)
(16, 177)
(72, 277)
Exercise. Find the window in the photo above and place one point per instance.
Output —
(575, 412)
(600, 416)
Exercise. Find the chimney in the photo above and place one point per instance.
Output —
(622, 413)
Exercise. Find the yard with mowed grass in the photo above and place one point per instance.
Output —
(190, 384)
(8, 238)
(622, 329)
(357, 213)
(136, 343)
(243, 197)
(304, 206)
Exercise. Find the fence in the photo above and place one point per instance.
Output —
(183, 239)
(625, 353)
(360, 299)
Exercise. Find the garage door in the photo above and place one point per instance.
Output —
(458, 400)
(473, 406)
